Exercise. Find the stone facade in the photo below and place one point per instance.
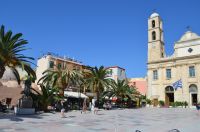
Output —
(163, 71)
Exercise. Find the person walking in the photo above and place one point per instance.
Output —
(84, 106)
(90, 106)
(198, 108)
(62, 109)
(96, 106)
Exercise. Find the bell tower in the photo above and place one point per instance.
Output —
(155, 38)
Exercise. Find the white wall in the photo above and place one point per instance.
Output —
(117, 73)
(9, 75)
(181, 49)
(42, 65)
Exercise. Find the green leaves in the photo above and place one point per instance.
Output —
(120, 89)
(46, 96)
(16, 74)
(97, 80)
(10, 48)
(58, 78)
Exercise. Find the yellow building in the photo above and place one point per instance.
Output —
(163, 71)
(51, 61)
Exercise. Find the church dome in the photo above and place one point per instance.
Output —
(154, 15)
(188, 36)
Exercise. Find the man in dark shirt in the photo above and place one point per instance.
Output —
(96, 106)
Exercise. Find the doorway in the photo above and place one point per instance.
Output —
(194, 99)
(155, 102)
(169, 98)
(169, 95)
(193, 94)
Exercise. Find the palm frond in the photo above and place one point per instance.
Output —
(16, 73)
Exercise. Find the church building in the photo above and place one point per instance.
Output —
(176, 77)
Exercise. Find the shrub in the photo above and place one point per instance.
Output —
(148, 101)
(178, 103)
(172, 104)
(161, 103)
(185, 103)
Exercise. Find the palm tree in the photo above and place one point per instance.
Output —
(81, 79)
(10, 53)
(97, 81)
(59, 78)
(121, 90)
(46, 96)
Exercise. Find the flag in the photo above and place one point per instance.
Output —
(177, 84)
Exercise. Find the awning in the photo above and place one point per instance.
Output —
(74, 94)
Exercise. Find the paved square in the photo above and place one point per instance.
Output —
(126, 120)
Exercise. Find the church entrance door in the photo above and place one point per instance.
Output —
(193, 94)
(194, 99)
(169, 98)
(169, 95)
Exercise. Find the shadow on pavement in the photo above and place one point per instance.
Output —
(71, 116)
(18, 118)
(100, 114)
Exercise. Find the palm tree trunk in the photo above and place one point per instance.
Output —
(2, 70)
(63, 86)
(45, 108)
(98, 98)
(97, 95)
(84, 90)
(62, 91)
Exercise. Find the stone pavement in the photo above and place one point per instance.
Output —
(126, 120)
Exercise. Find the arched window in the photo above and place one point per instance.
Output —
(153, 23)
(153, 35)
(193, 88)
(169, 89)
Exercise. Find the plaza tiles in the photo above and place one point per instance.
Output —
(126, 120)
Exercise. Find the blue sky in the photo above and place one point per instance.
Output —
(98, 32)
